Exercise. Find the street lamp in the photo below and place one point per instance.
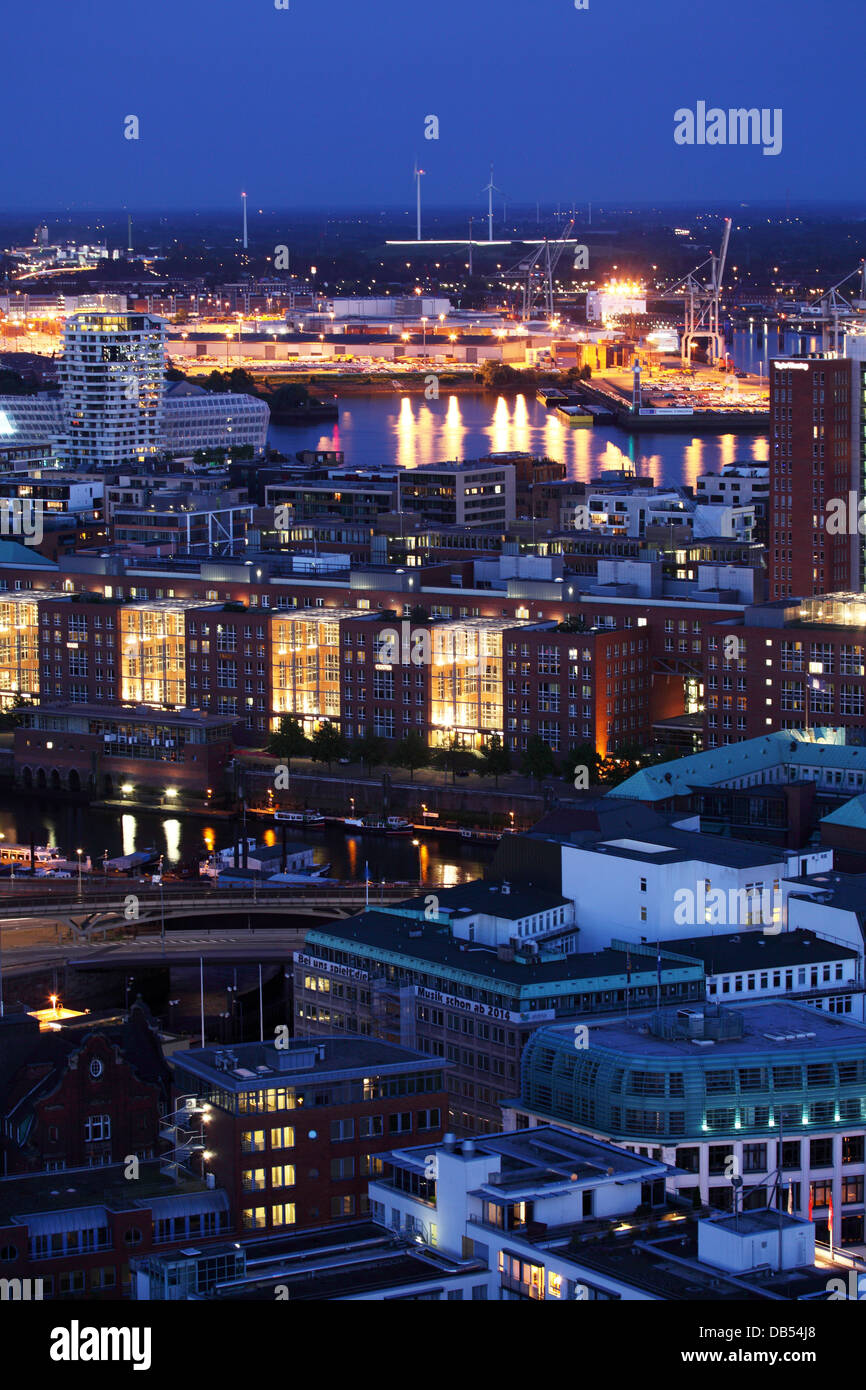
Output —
(79, 852)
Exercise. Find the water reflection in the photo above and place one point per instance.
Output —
(128, 829)
(171, 830)
(411, 431)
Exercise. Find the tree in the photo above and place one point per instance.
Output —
(327, 745)
(289, 741)
(454, 758)
(495, 759)
(370, 751)
(538, 760)
(412, 753)
(583, 756)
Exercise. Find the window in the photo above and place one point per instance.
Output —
(283, 1214)
(342, 1168)
(97, 1128)
(342, 1130)
(283, 1137)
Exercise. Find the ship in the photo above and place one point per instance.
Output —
(303, 820)
(378, 825)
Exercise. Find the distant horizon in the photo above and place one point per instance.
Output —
(620, 205)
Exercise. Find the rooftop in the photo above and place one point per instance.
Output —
(89, 1187)
(757, 950)
(432, 948)
(249, 1065)
(787, 748)
(780, 1031)
(494, 899)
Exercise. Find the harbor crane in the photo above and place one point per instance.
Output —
(538, 272)
(834, 305)
(702, 303)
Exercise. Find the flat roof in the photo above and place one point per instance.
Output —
(257, 1065)
(673, 846)
(88, 1187)
(758, 950)
(436, 951)
(781, 1030)
(495, 898)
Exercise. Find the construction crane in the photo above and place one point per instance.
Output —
(538, 271)
(702, 303)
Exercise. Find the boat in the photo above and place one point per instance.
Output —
(379, 825)
(574, 414)
(263, 863)
(304, 820)
(44, 860)
(481, 837)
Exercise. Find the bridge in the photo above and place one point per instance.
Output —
(217, 945)
(102, 908)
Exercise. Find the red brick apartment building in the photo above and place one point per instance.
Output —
(816, 455)
(796, 665)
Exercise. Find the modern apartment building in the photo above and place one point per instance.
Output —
(462, 494)
(554, 1216)
(112, 384)
(194, 419)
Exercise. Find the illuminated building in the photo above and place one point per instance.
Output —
(817, 457)
(153, 651)
(617, 299)
(305, 665)
(295, 1132)
(19, 648)
(779, 1086)
(112, 384)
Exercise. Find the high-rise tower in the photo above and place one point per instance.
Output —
(112, 380)
(817, 460)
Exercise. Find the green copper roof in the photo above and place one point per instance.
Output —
(785, 748)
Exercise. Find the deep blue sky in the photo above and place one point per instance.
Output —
(324, 104)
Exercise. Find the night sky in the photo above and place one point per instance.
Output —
(323, 104)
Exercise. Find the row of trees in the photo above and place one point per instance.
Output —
(328, 745)
(583, 766)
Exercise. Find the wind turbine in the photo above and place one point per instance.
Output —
(490, 189)
(418, 175)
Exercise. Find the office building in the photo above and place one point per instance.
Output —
(467, 976)
(762, 1091)
(294, 1132)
